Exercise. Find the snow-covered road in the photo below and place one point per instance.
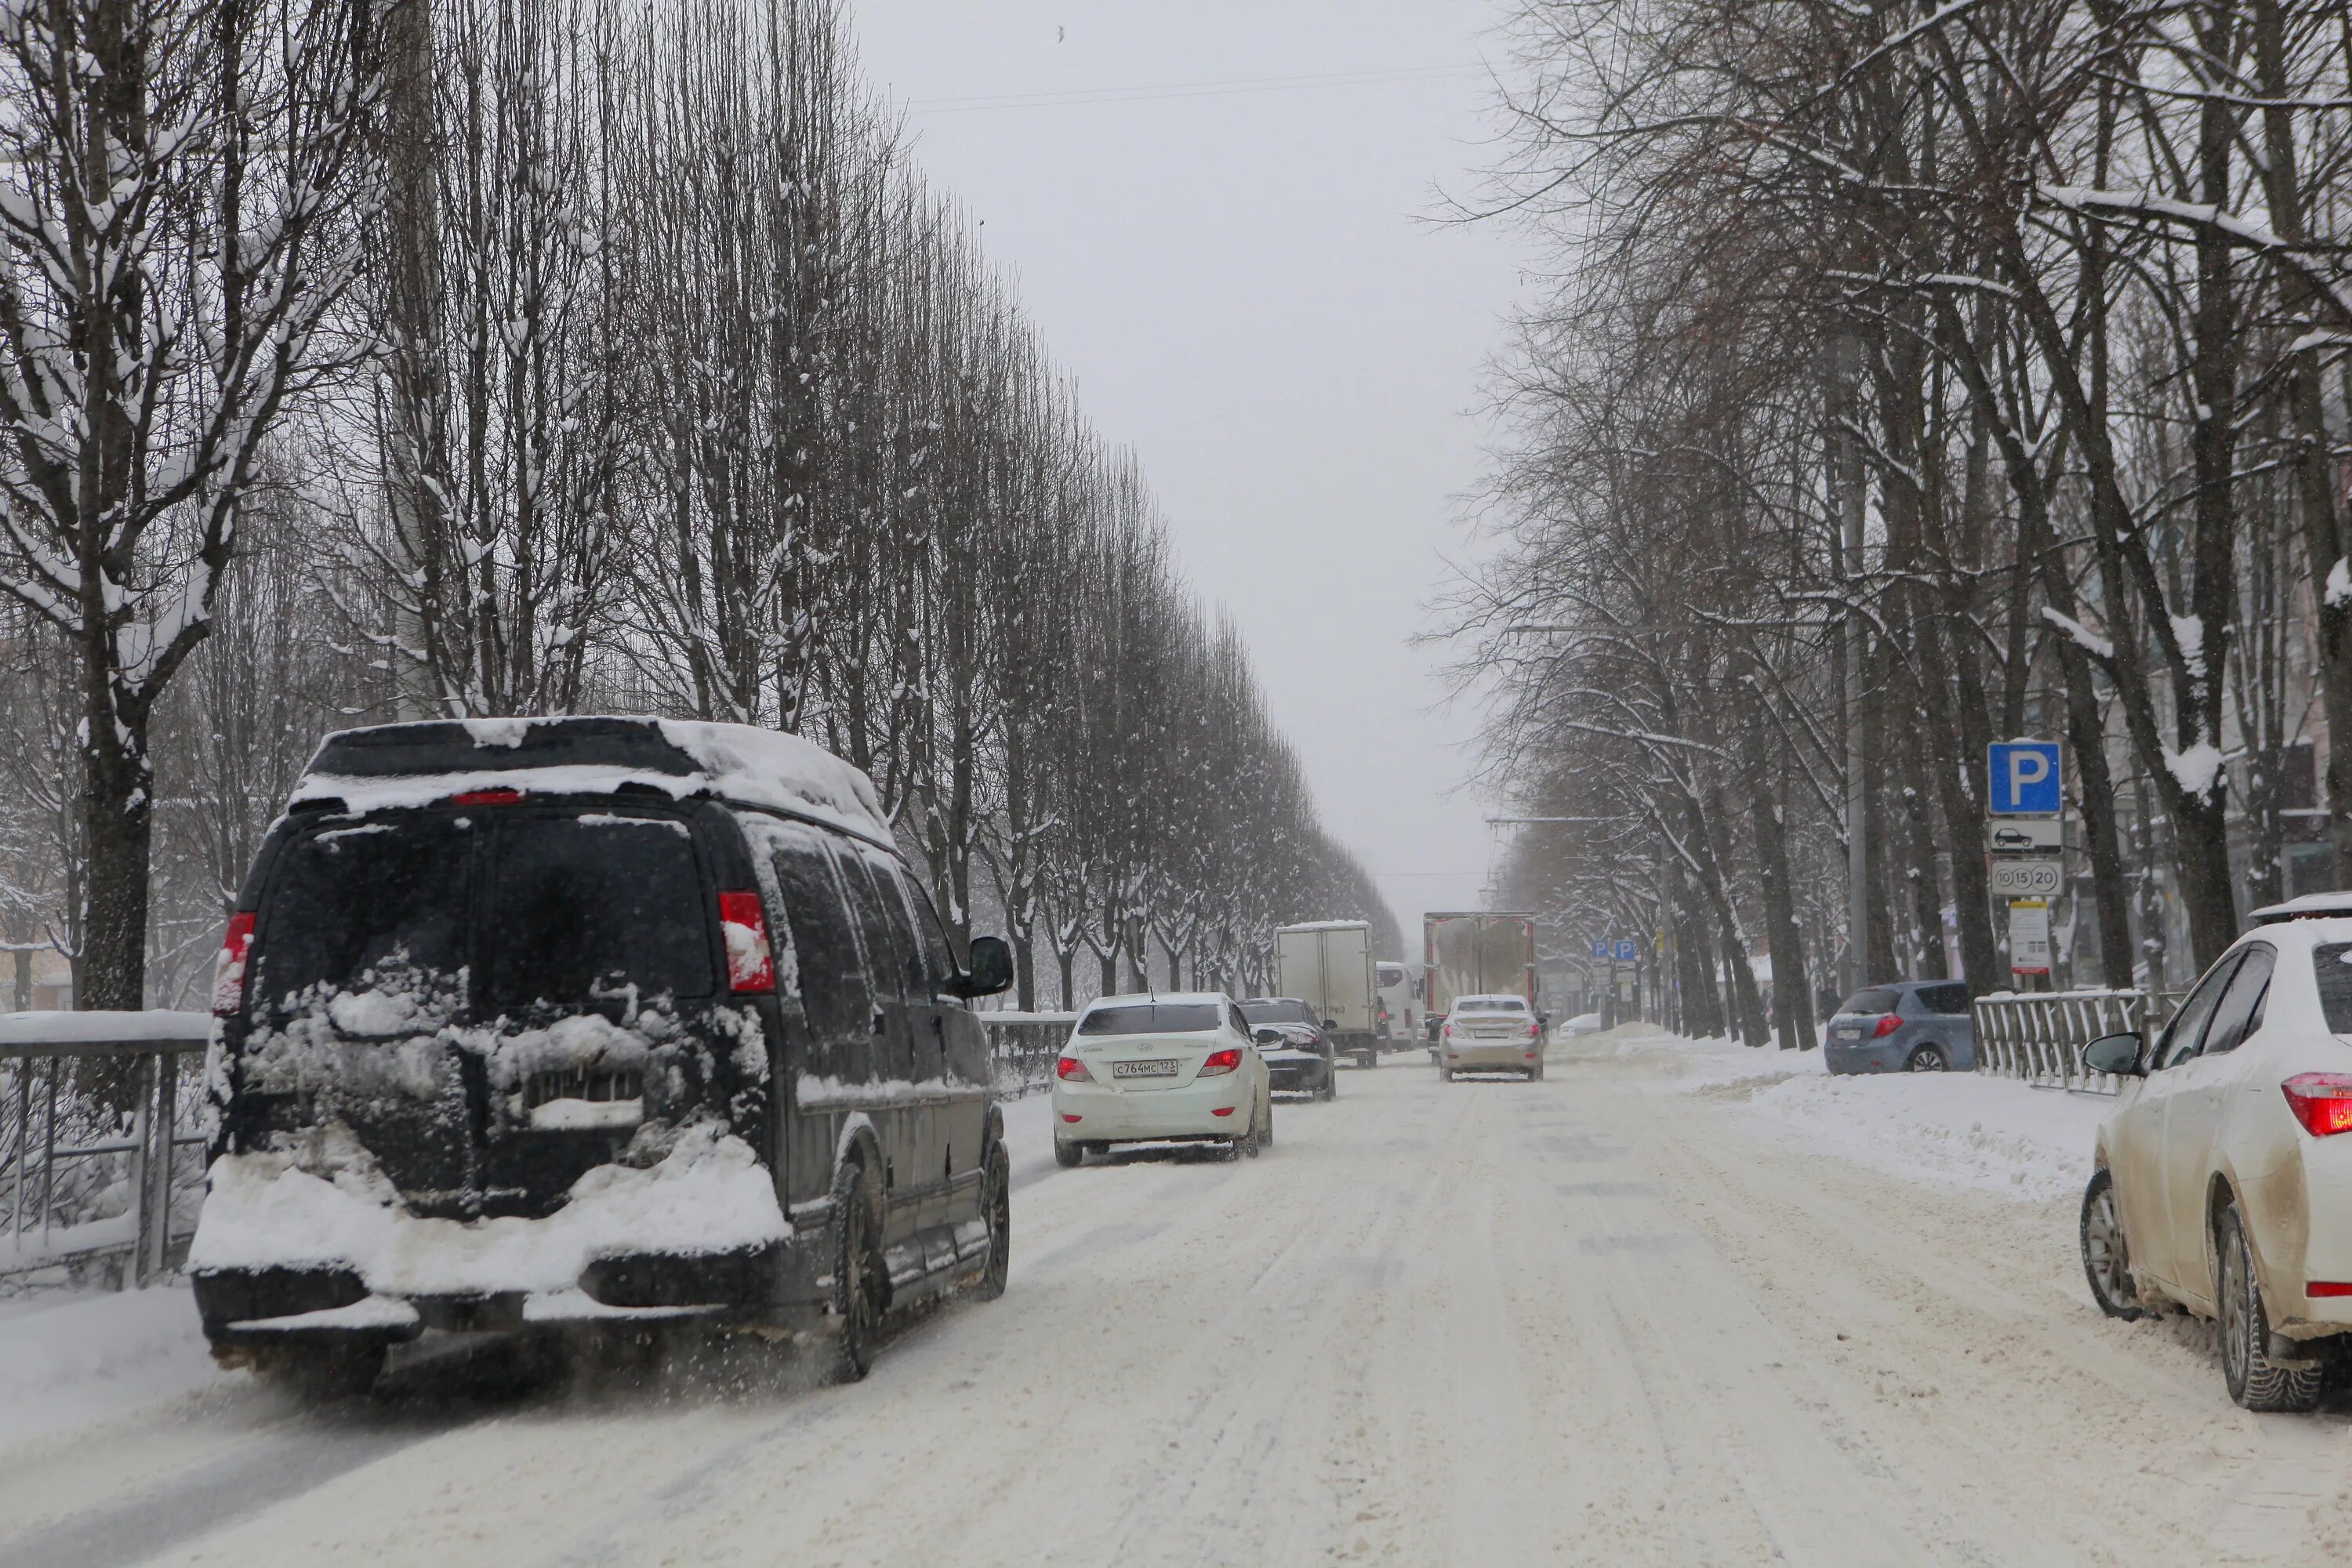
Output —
(1592, 1321)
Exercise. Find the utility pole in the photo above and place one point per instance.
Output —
(1850, 483)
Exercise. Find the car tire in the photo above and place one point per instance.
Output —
(1926, 1059)
(1535, 1073)
(2106, 1256)
(1445, 1073)
(996, 1208)
(1069, 1156)
(858, 1279)
(2253, 1380)
(1330, 1080)
(1265, 1124)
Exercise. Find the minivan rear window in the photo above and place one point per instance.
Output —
(348, 906)
(1869, 1002)
(1150, 1018)
(594, 906)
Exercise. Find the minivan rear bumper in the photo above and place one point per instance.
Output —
(277, 1306)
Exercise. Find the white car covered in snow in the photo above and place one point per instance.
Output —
(1173, 1068)
(2223, 1179)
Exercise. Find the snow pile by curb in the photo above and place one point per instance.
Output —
(67, 1361)
(1960, 1130)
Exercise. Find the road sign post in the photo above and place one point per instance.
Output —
(2025, 843)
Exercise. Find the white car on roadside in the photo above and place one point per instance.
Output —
(1172, 1067)
(2223, 1181)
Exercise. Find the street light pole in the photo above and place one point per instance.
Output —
(1849, 482)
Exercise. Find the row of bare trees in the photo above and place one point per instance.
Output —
(1917, 376)
(364, 359)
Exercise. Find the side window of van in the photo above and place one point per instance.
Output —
(887, 964)
(938, 963)
(908, 970)
(825, 947)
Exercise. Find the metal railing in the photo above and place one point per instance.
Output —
(101, 1139)
(2039, 1036)
(1021, 1046)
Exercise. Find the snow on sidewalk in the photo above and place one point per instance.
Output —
(70, 1360)
(1962, 1130)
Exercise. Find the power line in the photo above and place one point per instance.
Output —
(1079, 98)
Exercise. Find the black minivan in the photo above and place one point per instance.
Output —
(582, 1025)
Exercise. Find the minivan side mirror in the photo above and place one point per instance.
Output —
(992, 967)
(2113, 1054)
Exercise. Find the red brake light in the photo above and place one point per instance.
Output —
(1886, 1025)
(750, 965)
(1534, 1029)
(2321, 1102)
(1069, 1069)
(228, 968)
(2327, 1288)
(486, 797)
(1221, 1061)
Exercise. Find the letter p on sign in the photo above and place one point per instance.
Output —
(2024, 778)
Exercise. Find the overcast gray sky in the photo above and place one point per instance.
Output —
(1240, 278)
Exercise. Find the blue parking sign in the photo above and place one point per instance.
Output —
(1600, 947)
(1624, 951)
(2023, 776)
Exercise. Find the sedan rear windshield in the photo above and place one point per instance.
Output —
(1152, 1018)
(1490, 1004)
(1278, 1013)
(1869, 1002)
(2331, 965)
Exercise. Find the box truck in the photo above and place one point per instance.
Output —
(1328, 964)
(1474, 952)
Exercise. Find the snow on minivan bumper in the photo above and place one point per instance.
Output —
(1141, 1116)
(284, 1250)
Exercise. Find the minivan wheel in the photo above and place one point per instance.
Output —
(856, 1276)
(2246, 1367)
(2106, 1260)
(996, 1205)
(1926, 1059)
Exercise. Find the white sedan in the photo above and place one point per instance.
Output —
(2221, 1183)
(1174, 1067)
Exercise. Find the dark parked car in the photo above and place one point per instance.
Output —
(584, 1023)
(1300, 1057)
(1905, 1026)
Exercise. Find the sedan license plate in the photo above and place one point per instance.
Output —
(1851, 1033)
(1143, 1070)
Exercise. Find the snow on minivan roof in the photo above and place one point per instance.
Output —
(382, 766)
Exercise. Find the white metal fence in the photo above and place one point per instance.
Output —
(2039, 1036)
(102, 1158)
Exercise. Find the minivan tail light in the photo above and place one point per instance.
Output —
(228, 968)
(2321, 1102)
(1221, 1061)
(750, 965)
(1886, 1026)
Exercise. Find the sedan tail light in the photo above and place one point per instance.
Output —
(1069, 1069)
(1534, 1030)
(1221, 1061)
(2321, 1102)
(1886, 1026)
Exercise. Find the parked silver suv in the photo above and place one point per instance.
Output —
(1905, 1025)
